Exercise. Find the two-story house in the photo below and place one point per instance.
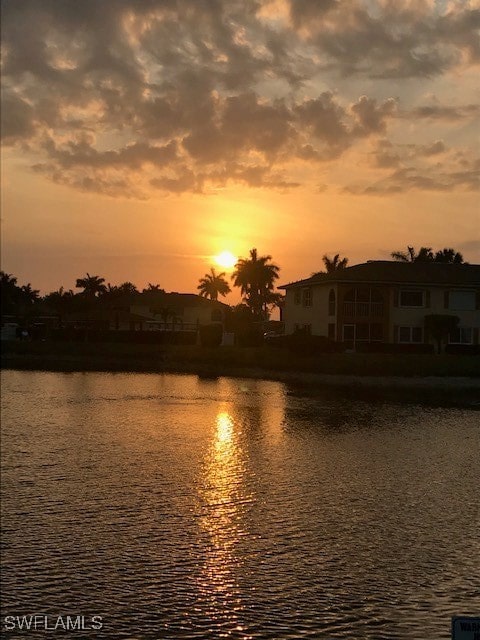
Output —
(385, 301)
(165, 311)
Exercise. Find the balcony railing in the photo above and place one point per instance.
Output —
(363, 309)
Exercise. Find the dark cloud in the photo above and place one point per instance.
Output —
(371, 117)
(18, 119)
(439, 112)
(411, 178)
(389, 39)
(432, 149)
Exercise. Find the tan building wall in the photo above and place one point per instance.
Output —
(435, 300)
(298, 314)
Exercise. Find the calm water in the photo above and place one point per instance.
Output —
(175, 507)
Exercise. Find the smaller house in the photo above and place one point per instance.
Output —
(160, 311)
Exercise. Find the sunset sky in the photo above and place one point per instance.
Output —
(140, 138)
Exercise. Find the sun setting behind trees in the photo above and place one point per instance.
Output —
(140, 136)
(226, 259)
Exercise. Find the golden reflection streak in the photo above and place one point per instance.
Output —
(223, 495)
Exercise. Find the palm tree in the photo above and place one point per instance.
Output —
(449, 256)
(213, 284)
(256, 277)
(91, 285)
(29, 295)
(153, 287)
(410, 255)
(166, 313)
(335, 263)
(127, 287)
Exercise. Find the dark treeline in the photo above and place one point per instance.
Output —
(255, 276)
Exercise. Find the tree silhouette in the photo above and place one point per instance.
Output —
(439, 326)
(256, 278)
(213, 284)
(127, 287)
(29, 295)
(166, 313)
(16, 299)
(335, 263)
(91, 285)
(449, 256)
(410, 255)
(425, 254)
(153, 287)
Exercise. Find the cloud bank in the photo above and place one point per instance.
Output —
(128, 98)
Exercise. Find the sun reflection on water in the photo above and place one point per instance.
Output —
(224, 500)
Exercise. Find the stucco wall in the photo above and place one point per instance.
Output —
(395, 315)
(414, 317)
(315, 315)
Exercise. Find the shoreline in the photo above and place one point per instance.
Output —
(456, 391)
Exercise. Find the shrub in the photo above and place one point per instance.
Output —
(303, 343)
(249, 337)
(211, 335)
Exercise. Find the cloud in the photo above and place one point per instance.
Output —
(124, 97)
(432, 149)
(18, 120)
(370, 117)
(444, 112)
(389, 39)
(411, 178)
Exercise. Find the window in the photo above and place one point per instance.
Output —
(307, 297)
(461, 300)
(411, 299)
(307, 328)
(362, 331)
(298, 296)
(461, 335)
(348, 332)
(376, 331)
(363, 302)
(331, 303)
(410, 334)
(331, 331)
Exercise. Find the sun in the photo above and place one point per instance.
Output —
(226, 259)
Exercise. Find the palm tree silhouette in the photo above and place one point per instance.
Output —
(153, 287)
(256, 278)
(91, 285)
(335, 263)
(410, 255)
(213, 284)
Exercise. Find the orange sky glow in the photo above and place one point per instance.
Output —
(141, 139)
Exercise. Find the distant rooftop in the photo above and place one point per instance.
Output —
(392, 272)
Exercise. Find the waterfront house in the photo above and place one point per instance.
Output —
(165, 312)
(385, 302)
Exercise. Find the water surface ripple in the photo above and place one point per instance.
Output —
(175, 507)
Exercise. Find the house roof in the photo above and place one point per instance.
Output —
(191, 300)
(390, 272)
(168, 300)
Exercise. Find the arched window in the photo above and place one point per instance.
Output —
(331, 303)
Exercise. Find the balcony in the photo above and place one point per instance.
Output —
(363, 309)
